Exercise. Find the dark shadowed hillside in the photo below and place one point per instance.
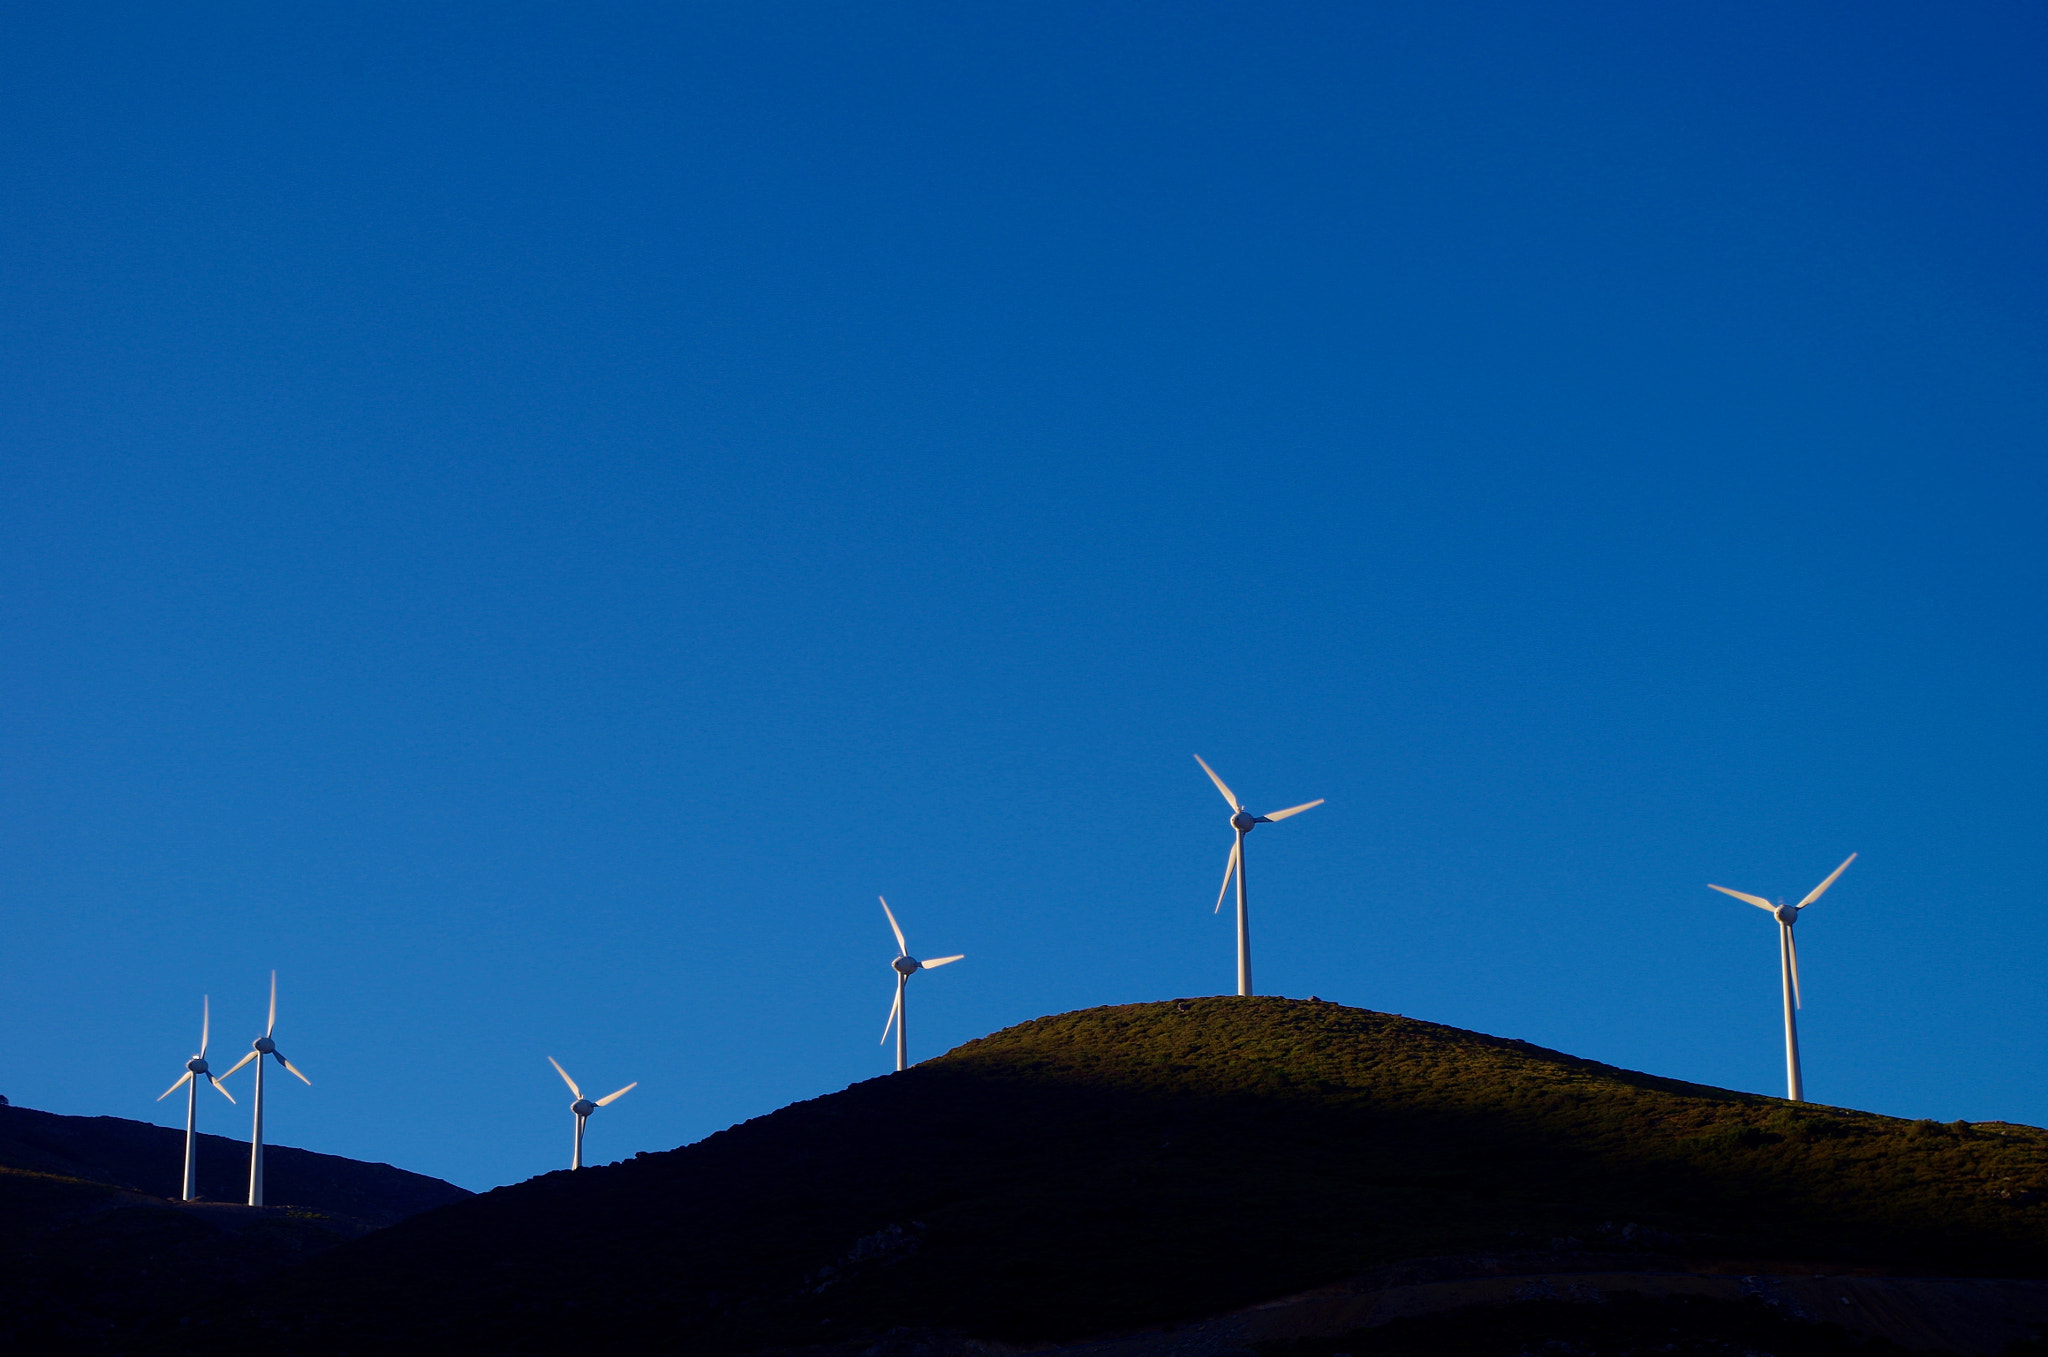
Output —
(91, 1245)
(1155, 1162)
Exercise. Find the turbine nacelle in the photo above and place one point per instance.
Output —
(197, 1065)
(1243, 821)
(264, 1046)
(583, 1107)
(1787, 914)
(906, 966)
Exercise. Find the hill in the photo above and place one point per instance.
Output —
(1159, 1162)
(146, 1158)
(91, 1243)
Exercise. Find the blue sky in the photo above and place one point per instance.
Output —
(526, 518)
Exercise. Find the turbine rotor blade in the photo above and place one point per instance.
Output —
(1792, 955)
(295, 1070)
(892, 1016)
(941, 961)
(1293, 810)
(1229, 866)
(1228, 795)
(1756, 900)
(174, 1087)
(902, 947)
(239, 1063)
(608, 1099)
(272, 1026)
(1815, 894)
(217, 1088)
(205, 1022)
(574, 1091)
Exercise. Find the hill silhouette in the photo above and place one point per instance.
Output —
(142, 1157)
(1158, 1162)
(91, 1243)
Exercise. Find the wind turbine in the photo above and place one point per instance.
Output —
(1243, 822)
(1788, 967)
(583, 1107)
(905, 965)
(195, 1070)
(259, 1048)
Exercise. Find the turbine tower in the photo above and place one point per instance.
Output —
(905, 965)
(1243, 822)
(259, 1048)
(1788, 967)
(583, 1107)
(195, 1070)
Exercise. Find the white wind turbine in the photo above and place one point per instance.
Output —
(905, 965)
(195, 1070)
(1243, 822)
(583, 1107)
(263, 1046)
(1788, 967)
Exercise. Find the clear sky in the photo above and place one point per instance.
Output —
(526, 518)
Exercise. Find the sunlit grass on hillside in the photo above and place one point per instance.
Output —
(1520, 1127)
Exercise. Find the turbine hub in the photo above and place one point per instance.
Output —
(1243, 821)
(906, 966)
(196, 1065)
(1787, 914)
(583, 1107)
(265, 1046)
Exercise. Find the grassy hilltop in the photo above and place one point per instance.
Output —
(1156, 1162)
